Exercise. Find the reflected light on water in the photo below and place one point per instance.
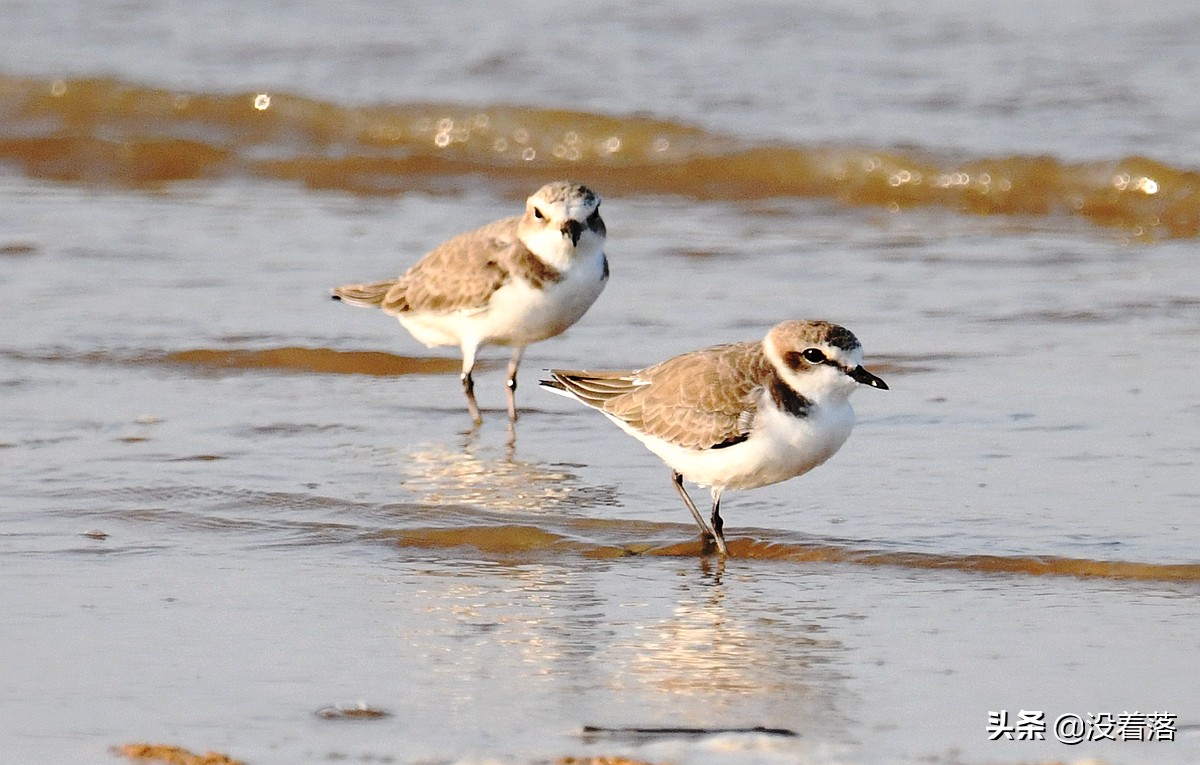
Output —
(700, 649)
(440, 475)
(946, 180)
(568, 148)
(708, 646)
(1127, 182)
(378, 147)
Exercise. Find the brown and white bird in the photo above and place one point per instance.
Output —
(512, 282)
(736, 416)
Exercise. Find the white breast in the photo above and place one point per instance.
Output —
(518, 313)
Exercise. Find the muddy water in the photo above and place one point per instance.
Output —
(228, 503)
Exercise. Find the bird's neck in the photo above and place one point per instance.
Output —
(556, 251)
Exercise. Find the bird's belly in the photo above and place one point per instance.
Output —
(782, 447)
(517, 314)
(435, 329)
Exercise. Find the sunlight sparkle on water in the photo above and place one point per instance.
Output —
(946, 180)
(569, 148)
(1126, 182)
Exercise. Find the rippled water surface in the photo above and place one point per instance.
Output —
(227, 503)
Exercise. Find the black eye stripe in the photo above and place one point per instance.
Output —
(806, 358)
(797, 360)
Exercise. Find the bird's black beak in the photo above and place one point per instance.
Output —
(573, 229)
(860, 375)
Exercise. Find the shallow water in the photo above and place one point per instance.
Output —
(230, 503)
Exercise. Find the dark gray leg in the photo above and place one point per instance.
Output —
(677, 478)
(468, 384)
(511, 382)
(718, 525)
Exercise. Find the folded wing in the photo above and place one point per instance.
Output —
(700, 400)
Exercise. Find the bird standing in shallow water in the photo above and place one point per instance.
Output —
(736, 416)
(512, 282)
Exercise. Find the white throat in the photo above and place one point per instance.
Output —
(556, 250)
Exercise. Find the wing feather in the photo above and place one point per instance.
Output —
(367, 295)
(699, 400)
(462, 273)
(592, 388)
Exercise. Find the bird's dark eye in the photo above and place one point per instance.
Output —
(538, 214)
(813, 356)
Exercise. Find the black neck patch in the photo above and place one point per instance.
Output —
(596, 223)
(787, 399)
(533, 269)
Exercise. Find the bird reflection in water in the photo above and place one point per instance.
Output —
(493, 478)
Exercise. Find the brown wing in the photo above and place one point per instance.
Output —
(459, 274)
(701, 400)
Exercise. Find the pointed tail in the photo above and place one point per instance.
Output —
(367, 295)
(590, 388)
